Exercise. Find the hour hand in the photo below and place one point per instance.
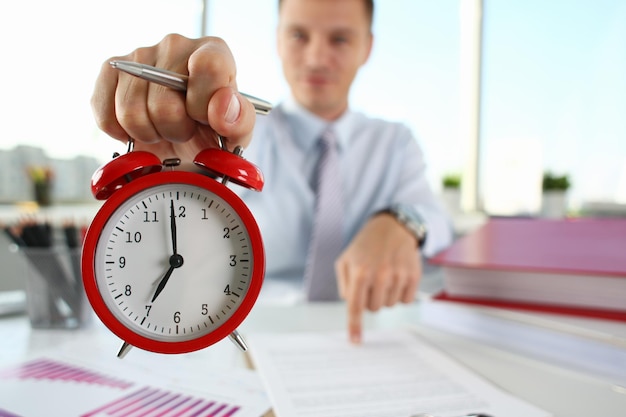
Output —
(176, 261)
(161, 285)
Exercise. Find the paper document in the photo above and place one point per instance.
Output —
(393, 373)
(78, 382)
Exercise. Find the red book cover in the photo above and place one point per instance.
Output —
(563, 266)
(585, 246)
(593, 313)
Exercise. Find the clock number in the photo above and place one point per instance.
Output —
(181, 211)
(227, 290)
(122, 261)
(147, 217)
(148, 310)
(233, 260)
(204, 217)
(177, 317)
(226, 233)
(205, 309)
(136, 238)
(127, 291)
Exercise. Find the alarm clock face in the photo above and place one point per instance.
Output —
(177, 264)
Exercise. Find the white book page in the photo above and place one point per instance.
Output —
(392, 374)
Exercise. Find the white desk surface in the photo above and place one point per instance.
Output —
(564, 392)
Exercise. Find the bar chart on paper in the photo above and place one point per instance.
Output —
(156, 402)
(58, 388)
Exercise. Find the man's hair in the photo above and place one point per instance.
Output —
(369, 9)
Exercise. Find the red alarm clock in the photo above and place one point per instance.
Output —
(173, 261)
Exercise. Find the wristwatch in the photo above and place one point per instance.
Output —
(409, 218)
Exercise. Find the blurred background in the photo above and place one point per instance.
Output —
(498, 93)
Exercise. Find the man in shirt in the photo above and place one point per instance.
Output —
(387, 202)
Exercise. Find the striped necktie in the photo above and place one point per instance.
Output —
(327, 233)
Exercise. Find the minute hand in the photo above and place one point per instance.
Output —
(173, 227)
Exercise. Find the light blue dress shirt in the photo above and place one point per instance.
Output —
(381, 163)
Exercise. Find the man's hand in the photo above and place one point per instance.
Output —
(169, 123)
(380, 267)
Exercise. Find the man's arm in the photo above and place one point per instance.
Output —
(382, 265)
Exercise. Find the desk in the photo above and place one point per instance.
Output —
(566, 393)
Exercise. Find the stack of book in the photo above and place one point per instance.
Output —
(555, 288)
(571, 266)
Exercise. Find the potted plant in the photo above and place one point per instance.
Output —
(41, 179)
(451, 193)
(554, 195)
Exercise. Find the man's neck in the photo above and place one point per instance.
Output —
(328, 114)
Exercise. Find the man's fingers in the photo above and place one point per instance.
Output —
(408, 295)
(103, 103)
(126, 106)
(376, 297)
(356, 291)
(231, 115)
(212, 95)
(131, 109)
(210, 67)
(166, 108)
(395, 291)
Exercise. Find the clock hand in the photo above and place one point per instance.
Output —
(164, 280)
(173, 227)
(176, 261)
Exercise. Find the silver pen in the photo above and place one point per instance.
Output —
(176, 81)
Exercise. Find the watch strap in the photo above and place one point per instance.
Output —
(410, 219)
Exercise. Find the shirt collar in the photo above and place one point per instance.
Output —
(306, 127)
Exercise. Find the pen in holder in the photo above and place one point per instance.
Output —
(55, 297)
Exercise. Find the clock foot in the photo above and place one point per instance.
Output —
(236, 338)
(124, 350)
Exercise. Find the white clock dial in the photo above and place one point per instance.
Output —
(173, 281)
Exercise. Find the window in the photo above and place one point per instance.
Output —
(52, 52)
(553, 98)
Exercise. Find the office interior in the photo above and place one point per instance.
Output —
(499, 94)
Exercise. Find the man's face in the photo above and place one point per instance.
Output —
(322, 44)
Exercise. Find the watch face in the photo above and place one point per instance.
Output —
(174, 262)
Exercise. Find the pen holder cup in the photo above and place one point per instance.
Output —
(55, 297)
